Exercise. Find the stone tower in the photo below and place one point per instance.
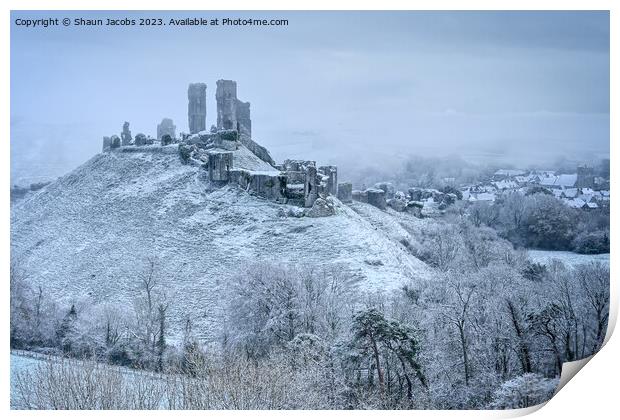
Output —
(197, 107)
(226, 98)
(244, 123)
(166, 127)
(126, 134)
(585, 177)
(311, 191)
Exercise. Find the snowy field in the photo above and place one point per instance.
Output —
(25, 362)
(19, 365)
(566, 257)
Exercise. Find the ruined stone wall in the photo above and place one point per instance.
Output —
(311, 187)
(376, 197)
(295, 170)
(126, 135)
(115, 142)
(317, 183)
(298, 182)
(244, 123)
(166, 127)
(295, 193)
(345, 191)
(331, 183)
(223, 139)
(140, 140)
(268, 186)
(272, 187)
(297, 164)
(387, 187)
(361, 196)
(107, 144)
(197, 107)
(220, 165)
(235, 114)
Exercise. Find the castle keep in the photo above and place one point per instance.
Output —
(229, 155)
(197, 107)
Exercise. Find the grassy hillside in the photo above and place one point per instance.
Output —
(91, 233)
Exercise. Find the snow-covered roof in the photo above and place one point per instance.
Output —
(576, 203)
(509, 172)
(564, 180)
(567, 180)
(570, 192)
(548, 180)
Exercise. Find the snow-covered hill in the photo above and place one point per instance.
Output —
(91, 232)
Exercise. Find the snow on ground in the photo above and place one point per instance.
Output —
(566, 257)
(91, 232)
(20, 365)
(243, 158)
(26, 362)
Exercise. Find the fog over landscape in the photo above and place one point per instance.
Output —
(349, 88)
(343, 210)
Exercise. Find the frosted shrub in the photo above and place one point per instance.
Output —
(524, 391)
(63, 384)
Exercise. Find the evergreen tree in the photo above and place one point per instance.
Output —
(66, 330)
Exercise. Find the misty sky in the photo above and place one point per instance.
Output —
(350, 88)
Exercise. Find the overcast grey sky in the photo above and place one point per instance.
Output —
(340, 87)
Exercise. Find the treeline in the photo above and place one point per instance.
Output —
(506, 315)
(490, 330)
(539, 220)
(133, 336)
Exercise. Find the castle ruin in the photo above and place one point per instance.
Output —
(232, 114)
(226, 100)
(230, 156)
(167, 127)
(197, 107)
(126, 135)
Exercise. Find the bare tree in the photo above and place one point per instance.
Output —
(594, 280)
(150, 312)
(522, 344)
(460, 318)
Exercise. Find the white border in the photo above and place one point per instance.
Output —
(592, 395)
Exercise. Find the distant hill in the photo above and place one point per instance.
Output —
(90, 233)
